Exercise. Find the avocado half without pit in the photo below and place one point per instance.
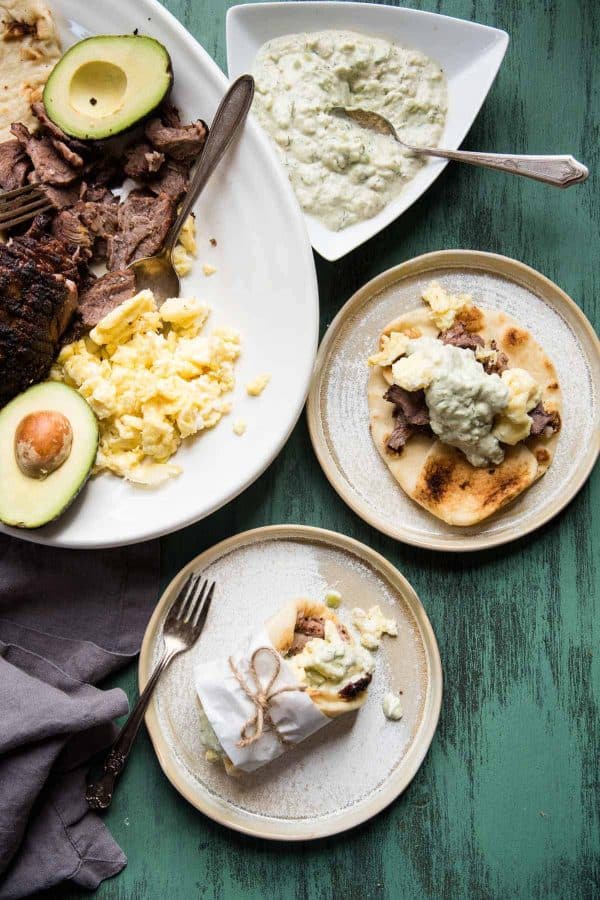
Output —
(106, 84)
(48, 444)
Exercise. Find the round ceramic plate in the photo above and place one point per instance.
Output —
(353, 767)
(264, 287)
(338, 414)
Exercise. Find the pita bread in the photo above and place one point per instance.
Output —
(280, 629)
(438, 476)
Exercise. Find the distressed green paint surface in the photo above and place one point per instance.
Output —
(507, 802)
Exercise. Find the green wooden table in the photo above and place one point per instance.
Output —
(507, 803)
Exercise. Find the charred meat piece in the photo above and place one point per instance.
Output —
(543, 422)
(181, 142)
(50, 255)
(36, 304)
(142, 161)
(355, 687)
(49, 165)
(99, 298)
(410, 403)
(143, 223)
(401, 434)
(458, 336)
(14, 165)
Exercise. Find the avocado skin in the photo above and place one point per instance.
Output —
(11, 414)
(53, 84)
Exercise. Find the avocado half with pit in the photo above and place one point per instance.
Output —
(48, 444)
(106, 84)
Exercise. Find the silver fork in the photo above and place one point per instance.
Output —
(22, 204)
(183, 626)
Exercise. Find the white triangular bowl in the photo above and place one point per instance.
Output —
(470, 55)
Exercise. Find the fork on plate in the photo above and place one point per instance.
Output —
(21, 205)
(182, 628)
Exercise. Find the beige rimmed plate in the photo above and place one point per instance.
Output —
(352, 768)
(338, 415)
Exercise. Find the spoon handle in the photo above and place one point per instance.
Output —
(561, 171)
(229, 118)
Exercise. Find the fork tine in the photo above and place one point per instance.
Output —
(186, 605)
(200, 617)
(196, 601)
(175, 608)
(21, 193)
(8, 222)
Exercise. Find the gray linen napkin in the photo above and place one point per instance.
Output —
(68, 618)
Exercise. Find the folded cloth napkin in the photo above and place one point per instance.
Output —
(68, 618)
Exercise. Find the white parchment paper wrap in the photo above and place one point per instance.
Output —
(227, 707)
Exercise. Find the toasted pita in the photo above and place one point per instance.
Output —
(439, 477)
(280, 629)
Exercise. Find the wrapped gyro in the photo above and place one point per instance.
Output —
(300, 671)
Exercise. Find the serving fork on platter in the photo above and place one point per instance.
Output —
(182, 628)
(21, 205)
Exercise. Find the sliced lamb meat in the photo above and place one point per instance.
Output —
(143, 223)
(69, 227)
(100, 217)
(99, 298)
(47, 125)
(142, 161)
(401, 434)
(14, 165)
(49, 165)
(172, 180)
(356, 687)
(181, 142)
(69, 156)
(313, 626)
(458, 336)
(543, 422)
(36, 303)
(411, 403)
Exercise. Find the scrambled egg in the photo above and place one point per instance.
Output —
(444, 306)
(185, 249)
(513, 424)
(393, 346)
(239, 427)
(372, 625)
(29, 48)
(152, 379)
(255, 387)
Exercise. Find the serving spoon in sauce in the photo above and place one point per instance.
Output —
(561, 171)
(156, 273)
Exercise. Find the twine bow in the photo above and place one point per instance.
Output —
(261, 697)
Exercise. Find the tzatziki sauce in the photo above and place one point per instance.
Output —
(343, 174)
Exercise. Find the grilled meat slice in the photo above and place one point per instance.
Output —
(36, 304)
(99, 297)
(14, 165)
(172, 180)
(543, 422)
(411, 403)
(181, 142)
(458, 336)
(142, 161)
(143, 223)
(50, 127)
(49, 165)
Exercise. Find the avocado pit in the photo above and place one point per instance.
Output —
(43, 442)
